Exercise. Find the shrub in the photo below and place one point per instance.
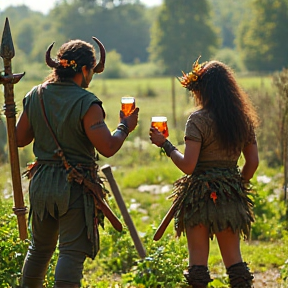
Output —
(13, 250)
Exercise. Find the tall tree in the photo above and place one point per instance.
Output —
(182, 32)
(123, 28)
(262, 39)
(106, 3)
(227, 16)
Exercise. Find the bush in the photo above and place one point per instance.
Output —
(231, 58)
(114, 68)
(13, 250)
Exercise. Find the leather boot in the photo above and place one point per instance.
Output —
(60, 284)
(198, 276)
(240, 276)
(31, 283)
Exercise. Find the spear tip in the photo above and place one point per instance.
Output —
(7, 48)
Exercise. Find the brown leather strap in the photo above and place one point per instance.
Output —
(40, 92)
(59, 150)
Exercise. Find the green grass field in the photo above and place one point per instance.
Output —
(140, 163)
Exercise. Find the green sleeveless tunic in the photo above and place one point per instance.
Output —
(65, 106)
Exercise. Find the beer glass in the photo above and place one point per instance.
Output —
(160, 122)
(127, 105)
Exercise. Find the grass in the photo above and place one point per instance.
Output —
(138, 163)
(153, 97)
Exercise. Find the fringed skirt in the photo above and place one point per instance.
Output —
(215, 197)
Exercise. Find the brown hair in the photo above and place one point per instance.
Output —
(81, 52)
(230, 106)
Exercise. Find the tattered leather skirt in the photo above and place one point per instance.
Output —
(214, 196)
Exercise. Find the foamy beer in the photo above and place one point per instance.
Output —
(127, 105)
(160, 122)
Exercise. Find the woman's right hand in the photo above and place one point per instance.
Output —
(156, 137)
(130, 121)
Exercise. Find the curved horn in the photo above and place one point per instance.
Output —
(49, 61)
(100, 66)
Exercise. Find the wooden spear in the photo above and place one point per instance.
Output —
(8, 79)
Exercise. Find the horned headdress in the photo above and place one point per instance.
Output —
(98, 68)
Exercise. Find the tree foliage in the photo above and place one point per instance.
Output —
(182, 32)
(106, 3)
(123, 28)
(262, 37)
(227, 15)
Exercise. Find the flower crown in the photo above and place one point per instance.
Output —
(197, 70)
(68, 63)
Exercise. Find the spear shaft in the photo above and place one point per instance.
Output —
(8, 80)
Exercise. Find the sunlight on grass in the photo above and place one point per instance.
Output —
(139, 163)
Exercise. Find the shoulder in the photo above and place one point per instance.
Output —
(90, 102)
(92, 97)
(200, 117)
(198, 126)
(86, 95)
(27, 98)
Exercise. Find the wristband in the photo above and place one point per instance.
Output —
(168, 147)
(122, 127)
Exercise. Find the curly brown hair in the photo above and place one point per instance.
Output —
(81, 52)
(218, 92)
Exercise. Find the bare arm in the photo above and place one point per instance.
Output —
(185, 162)
(250, 153)
(24, 132)
(107, 144)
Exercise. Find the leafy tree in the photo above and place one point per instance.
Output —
(16, 15)
(107, 3)
(123, 28)
(26, 39)
(71, 21)
(30, 40)
(182, 32)
(262, 38)
(229, 57)
(128, 31)
(113, 66)
(227, 16)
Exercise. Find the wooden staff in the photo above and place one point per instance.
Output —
(8, 80)
(164, 223)
(106, 169)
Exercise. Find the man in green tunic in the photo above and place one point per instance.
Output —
(63, 209)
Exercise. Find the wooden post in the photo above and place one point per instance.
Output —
(106, 169)
(173, 101)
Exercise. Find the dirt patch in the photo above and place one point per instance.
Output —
(268, 279)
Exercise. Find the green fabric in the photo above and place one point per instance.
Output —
(65, 106)
(215, 197)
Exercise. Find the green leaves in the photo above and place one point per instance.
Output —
(182, 32)
(13, 250)
(265, 29)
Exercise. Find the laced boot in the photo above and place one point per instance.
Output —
(240, 276)
(198, 276)
(60, 284)
(31, 283)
